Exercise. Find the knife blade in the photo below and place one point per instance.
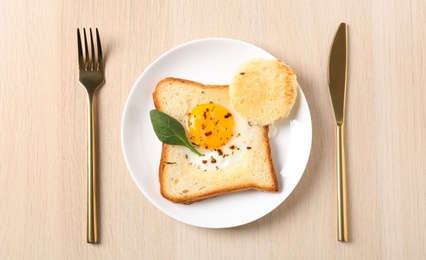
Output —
(337, 72)
(337, 78)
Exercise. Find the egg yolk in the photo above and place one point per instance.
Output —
(210, 126)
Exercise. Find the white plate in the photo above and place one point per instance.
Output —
(210, 61)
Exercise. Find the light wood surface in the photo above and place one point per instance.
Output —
(43, 129)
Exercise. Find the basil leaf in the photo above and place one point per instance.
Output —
(169, 130)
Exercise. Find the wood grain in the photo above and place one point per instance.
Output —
(43, 128)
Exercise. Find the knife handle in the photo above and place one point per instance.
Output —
(342, 225)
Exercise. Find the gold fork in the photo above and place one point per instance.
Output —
(91, 77)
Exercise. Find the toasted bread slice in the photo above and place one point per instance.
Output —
(263, 90)
(182, 181)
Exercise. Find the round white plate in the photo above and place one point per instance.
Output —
(210, 61)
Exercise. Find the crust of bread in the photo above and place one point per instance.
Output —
(263, 90)
(181, 182)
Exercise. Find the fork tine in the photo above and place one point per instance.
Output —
(100, 58)
(92, 52)
(80, 51)
(87, 62)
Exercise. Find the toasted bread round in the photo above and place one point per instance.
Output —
(263, 90)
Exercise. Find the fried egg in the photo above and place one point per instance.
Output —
(219, 133)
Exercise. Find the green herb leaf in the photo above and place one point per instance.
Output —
(169, 130)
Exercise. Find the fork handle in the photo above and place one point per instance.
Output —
(92, 227)
(342, 225)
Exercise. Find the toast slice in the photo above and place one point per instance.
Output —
(183, 182)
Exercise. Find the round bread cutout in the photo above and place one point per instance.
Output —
(263, 90)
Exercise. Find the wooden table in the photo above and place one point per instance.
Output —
(43, 129)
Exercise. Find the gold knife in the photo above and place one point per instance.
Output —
(337, 75)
